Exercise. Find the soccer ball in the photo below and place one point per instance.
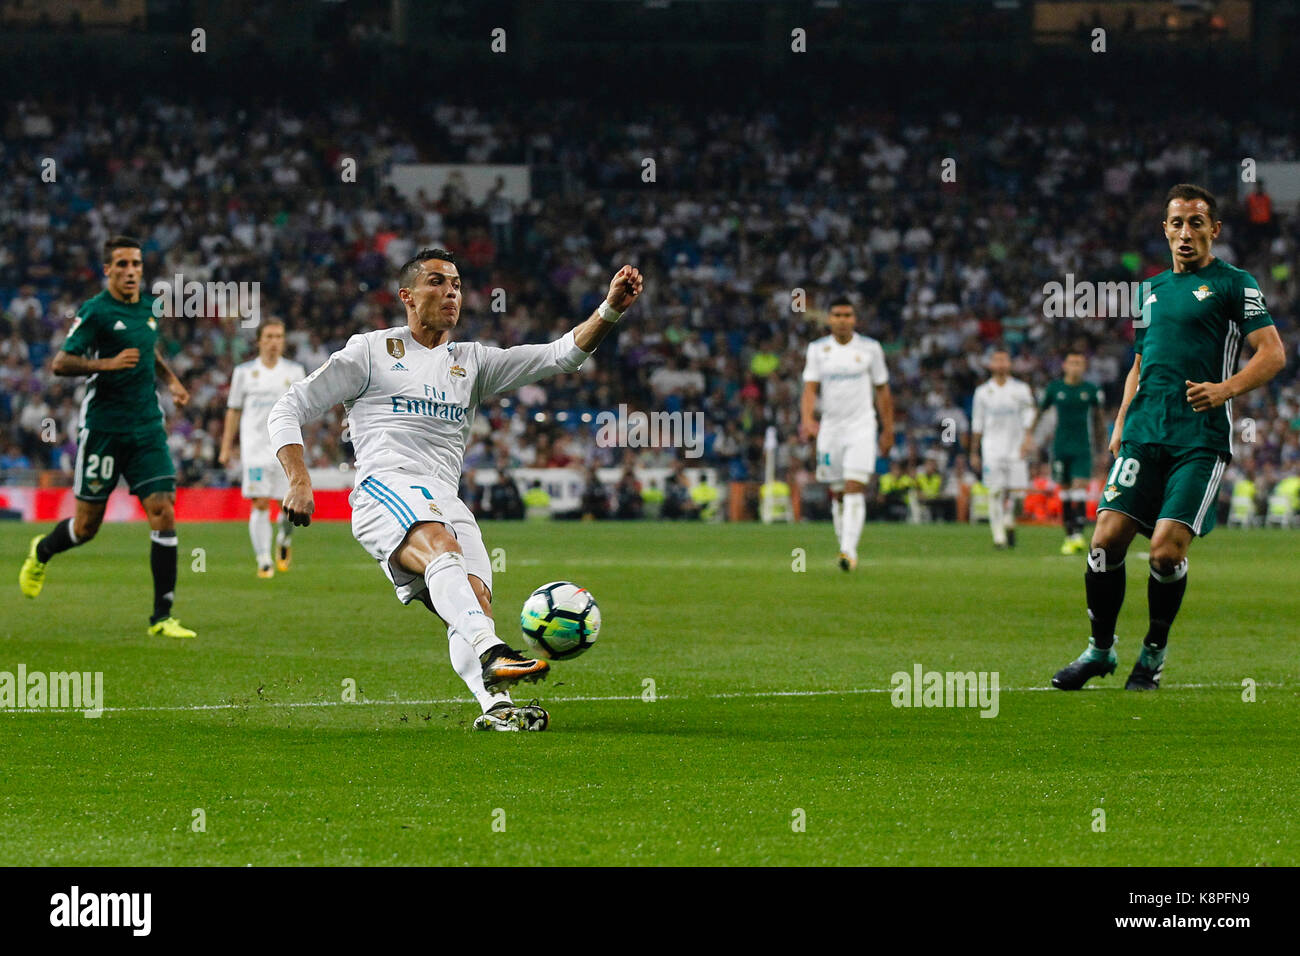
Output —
(560, 620)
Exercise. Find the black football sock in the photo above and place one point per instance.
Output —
(60, 539)
(162, 559)
(1105, 590)
(1164, 598)
(1067, 516)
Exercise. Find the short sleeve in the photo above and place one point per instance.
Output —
(236, 399)
(1254, 313)
(879, 370)
(81, 337)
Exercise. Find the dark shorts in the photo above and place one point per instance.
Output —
(143, 458)
(1071, 464)
(1150, 483)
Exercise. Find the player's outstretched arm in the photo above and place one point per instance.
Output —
(501, 370)
(623, 291)
(344, 377)
(1268, 360)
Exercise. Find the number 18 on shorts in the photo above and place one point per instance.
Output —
(1151, 483)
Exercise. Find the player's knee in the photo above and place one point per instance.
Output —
(1166, 556)
(1106, 550)
(161, 511)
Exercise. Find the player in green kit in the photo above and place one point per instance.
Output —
(122, 433)
(1078, 433)
(1173, 434)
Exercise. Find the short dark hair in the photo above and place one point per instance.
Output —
(1192, 191)
(840, 301)
(119, 242)
(411, 270)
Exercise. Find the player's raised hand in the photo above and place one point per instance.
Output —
(127, 358)
(299, 504)
(1203, 396)
(624, 288)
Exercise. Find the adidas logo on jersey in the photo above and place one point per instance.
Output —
(399, 367)
(119, 326)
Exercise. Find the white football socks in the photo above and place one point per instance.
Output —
(855, 514)
(997, 518)
(259, 530)
(837, 509)
(455, 602)
(284, 530)
(467, 665)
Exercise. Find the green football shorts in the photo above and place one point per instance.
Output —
(1151, 482)
(143, 458)
(1070, 465)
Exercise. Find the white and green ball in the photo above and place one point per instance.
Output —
(560, 620)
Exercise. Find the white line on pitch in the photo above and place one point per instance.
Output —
(561, 700)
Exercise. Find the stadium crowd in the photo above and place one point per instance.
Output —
(750, 215)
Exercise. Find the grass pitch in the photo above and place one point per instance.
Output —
(771, 738)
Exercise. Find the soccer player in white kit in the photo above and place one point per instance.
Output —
(410, 393)
(850, 373)
(254, 388)
(1002, 415)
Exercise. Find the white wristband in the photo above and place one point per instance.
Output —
(606, 312)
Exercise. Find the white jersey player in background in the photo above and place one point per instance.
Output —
(254, 388)
(850, 373)
(1002, 415)
(410, 394)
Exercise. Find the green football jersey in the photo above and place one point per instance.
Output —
(1073, 404)
(1190, 330)
(125, 400)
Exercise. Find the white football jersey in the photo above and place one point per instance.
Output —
(1003, 414)
(254, 389)
(410, 408)
(848, 375)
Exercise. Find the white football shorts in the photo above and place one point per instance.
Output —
(1006, 474)
(384, 509)
(847, 454)
(265, 481)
